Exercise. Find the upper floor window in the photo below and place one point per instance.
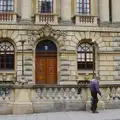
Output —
(85, 57)
(6, 56)
(83, 7)
(6, 5)
(45, 6)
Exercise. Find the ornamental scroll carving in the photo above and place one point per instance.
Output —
(46, 32)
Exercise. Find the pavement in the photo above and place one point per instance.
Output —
(113, 114)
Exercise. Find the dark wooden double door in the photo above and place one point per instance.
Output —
(46, 68)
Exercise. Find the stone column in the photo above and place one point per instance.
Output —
(93, 8)
(26, 10)
(15, 8)
(115, 11)
(66, 11)
(104, 11)
(96, 7)
(54, 6)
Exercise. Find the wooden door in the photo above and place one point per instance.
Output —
(46, 70)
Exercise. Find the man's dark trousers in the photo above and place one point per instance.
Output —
(94, 101)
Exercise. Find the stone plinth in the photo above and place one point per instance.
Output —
(22, 104)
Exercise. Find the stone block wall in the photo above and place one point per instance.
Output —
(26, 99)
(67, 41)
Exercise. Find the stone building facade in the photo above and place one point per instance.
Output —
(70, 25)
(58, 42)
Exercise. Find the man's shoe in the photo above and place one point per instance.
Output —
(95, 112)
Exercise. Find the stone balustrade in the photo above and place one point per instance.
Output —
(8, 17)
(44, 18)
(59, 98)
(86, 20)
(19, 99)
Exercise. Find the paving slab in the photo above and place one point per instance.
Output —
(113, 114)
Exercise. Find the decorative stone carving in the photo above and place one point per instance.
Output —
(46, 31)
(59, 94)
(5, 94)
(4, 76)
(22, 80)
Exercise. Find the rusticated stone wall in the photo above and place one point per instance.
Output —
(67, 40)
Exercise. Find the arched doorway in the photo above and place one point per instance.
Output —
(46, 62)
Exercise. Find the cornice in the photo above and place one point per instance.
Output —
(59, 27)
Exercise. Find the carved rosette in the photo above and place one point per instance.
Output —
(45, 32)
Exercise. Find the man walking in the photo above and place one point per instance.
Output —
(94, 88)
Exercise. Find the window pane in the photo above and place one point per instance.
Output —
(46, 6)
(6, 56)
(10, 61)
(81, 65)
(85, 56)
(89, 65)
(6, 5)
(84, 6)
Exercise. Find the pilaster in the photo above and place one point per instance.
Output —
(26, 11)
(66, 11)
(104, 11)
(115, 11)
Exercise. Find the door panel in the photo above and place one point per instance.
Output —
(40, 70)
(51, 70)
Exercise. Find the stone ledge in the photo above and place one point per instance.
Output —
(59, 27)
(103, 84)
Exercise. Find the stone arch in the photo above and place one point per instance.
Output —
(12, 35)
(8, 40)
(95, 37)
(46, 32)
(46, 62)
(47, 38)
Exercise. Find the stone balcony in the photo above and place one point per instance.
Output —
(44, 18)
(8, 17)
(85, 20)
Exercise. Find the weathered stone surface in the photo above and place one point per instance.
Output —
(59, 105)
(22, 108)
(112, 104)
(6, 108)
(101, 105)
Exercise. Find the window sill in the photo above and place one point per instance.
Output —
(7, 71)
(85, 71)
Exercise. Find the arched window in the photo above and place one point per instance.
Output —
(45, 6)
(6, 56)
(83, 7)
(46, 45)
(85, 57)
